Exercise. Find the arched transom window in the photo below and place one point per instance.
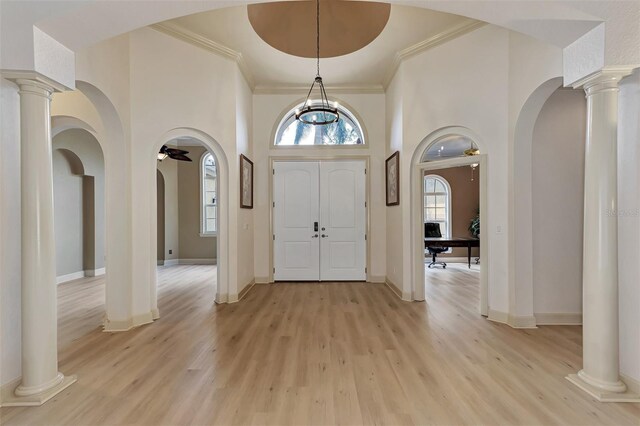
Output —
(437, 203)
(208, 196)
(346, 131)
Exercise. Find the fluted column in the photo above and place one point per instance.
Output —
(600, 374)
(40, 377)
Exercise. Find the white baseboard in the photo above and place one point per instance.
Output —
(94, 272)
(197, 261)
(69, 277)
(561, 318)
(512, 320)
(170, 262)
(262, 280)
(633, 385)
(393, 287)
(243, 292)
(129, 323)
(377, 279)
(522, 322)
(498, 316)
(396, 290)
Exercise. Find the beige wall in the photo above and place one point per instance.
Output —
(160, 215)
(79, 202)
(465, 202)
(191, 244)
(67, 196)
(169, 170)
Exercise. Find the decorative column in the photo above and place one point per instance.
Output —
(600, 373)
(40, 377)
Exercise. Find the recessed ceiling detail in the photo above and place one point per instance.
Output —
(345, 26)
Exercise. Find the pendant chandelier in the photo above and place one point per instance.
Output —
(321, 112)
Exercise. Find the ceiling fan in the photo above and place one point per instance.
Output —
(174, 153)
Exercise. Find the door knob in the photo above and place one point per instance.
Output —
(324, 236)
(314, 236)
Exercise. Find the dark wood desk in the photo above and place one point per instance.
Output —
(453, 242)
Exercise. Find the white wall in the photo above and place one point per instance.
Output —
(244, 144)
(534, 73)
(268, 110)
(629, 225)
(177, 85)
(460, 83)
(558, 203)
(394, 132)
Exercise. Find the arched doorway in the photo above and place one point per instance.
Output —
(79, 221)
(207, 157)
(424, 161)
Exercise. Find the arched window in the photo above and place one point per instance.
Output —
(208, 190)
(346, 131)
(437, 203)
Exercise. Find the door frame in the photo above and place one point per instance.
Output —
(367, 196)
(418, 220)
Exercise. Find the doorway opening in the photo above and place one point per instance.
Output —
(449, 205)
(187, 219)
(320, 221)
(79, 224)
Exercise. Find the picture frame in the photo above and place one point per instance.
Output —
(392, 179)
(246, 183)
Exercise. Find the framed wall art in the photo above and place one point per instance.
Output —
(246, 183)
(392, 178)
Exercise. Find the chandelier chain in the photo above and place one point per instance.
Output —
(318, 36)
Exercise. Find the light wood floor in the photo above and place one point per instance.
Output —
(331, 353)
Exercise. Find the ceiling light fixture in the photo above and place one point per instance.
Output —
(174, 153)
(318, 113)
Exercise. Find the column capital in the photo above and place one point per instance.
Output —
(606, 79)
(34, 87)
(33, 78)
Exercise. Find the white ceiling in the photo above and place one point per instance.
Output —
(448, 147)
(369, 66)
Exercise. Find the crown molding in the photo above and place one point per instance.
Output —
(297, 90)
(430, 43)
(190, 37)
(195, 39)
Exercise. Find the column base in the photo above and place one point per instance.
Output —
(600, 394)
(12, 400)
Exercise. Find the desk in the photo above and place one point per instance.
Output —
(453, 242)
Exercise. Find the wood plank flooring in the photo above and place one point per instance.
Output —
(330, 353)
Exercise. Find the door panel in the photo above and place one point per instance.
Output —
(296, 249)
(342, 220)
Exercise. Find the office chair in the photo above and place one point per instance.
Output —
(432, 230)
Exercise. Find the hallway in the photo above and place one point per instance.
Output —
(346, 353)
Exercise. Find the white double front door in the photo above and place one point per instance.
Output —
(319, 216)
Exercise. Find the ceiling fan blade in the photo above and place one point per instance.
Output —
(176, 151)
(179, 157)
